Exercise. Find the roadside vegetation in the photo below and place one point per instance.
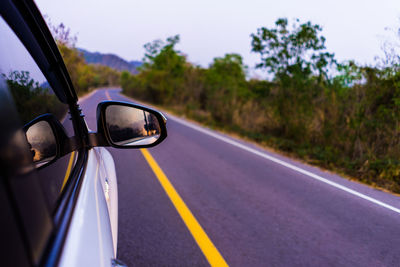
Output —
(341, 116)
(85, 77)
(33, 99)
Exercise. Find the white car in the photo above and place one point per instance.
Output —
(58, 184)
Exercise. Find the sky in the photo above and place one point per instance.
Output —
(354, 29)
(14, 55)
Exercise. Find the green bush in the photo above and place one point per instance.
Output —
(349, 122)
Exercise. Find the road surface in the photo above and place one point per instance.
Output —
(256, 207)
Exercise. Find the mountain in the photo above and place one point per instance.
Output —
(110, 60)
(136, 63)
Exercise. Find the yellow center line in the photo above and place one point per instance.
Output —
(67, 173)
(203, 241)
(108, 95)
(72, 157)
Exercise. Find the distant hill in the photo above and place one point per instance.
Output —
(110, 60)
(136, 63)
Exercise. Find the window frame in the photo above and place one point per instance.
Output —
(25, 20)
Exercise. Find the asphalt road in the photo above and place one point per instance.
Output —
(258, 208)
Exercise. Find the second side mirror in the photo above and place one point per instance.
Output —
(47, 140)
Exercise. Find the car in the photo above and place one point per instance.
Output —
(58, 183)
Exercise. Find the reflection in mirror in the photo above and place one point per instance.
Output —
(42, 143)
(129, 126)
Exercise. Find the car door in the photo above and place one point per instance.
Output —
(58, 182)
(62, 207)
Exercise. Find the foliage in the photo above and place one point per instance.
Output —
(84, 76)
(391, 49)
(30, 98)
(348, 122)
(225, 85)
(162, 75)
(297, 52)
(61, 33)
(349, 74)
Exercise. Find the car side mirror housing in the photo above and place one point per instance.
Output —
(128, 125)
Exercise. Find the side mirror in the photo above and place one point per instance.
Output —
(46, 138)
(127, 125)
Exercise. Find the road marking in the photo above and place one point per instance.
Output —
(108, 95)
(285, 164)
(89, 95)
(203, 241)
(207, 247)
(67, 173)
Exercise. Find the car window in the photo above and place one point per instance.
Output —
(33, 97)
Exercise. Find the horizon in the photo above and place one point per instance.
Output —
(353, 30)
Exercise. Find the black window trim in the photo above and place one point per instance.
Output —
(28, 24)
(26, 21)
(64, 211)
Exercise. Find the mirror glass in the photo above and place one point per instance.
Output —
(42, 143)
(130, 126)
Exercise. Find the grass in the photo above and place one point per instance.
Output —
(326, 158)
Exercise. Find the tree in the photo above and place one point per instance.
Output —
(391, 47)
(153, 49)
(30, 98)
(162, 74)
(297, 51)
(349, 74)
(225, 85)
(84, 76)
(389, 63)
(61, 33)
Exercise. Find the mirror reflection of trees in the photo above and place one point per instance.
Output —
(152, 127)
(31, 98)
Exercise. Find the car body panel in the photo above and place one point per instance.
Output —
(91, 239)
(110, 187)
(72, 220)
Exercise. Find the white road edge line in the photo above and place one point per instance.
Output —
(285, 164)
(281, 162)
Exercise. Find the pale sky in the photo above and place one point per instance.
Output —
(354, 29)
